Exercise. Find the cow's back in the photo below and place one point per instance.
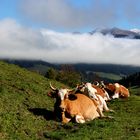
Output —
(99, 90)
(86, 107)
(124, 92)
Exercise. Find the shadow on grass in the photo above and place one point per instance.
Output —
(47, 114)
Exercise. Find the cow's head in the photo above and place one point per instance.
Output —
(61, 96)
(60, 93)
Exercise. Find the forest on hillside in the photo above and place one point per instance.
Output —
(81, 72)
(131, 80)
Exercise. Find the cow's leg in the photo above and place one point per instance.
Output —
(99, 106)
(107, 96)
(115, 96)
(102, 106)
(102, 115)
(79, 119)
(99, 110)
(64, 118)
(105, 107)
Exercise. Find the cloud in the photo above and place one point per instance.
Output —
(18, 42)
(65, 14)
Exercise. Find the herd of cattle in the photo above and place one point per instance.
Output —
(86, 101)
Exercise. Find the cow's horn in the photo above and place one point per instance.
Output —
(96, 83)
(52, 87)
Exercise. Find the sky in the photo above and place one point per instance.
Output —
(43, 30)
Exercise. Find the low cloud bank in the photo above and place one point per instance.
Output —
(21, 42)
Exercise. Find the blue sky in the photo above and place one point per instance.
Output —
(84, 15)
(43, 30)
(8, 8)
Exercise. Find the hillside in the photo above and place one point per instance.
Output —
(131, 80)
(106, 72)
(26, 112)
(20, 91)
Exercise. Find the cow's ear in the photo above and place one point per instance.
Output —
(52, 94)
(72, 97)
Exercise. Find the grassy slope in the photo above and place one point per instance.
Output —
(109, 76)
(21, 91)
(25, 112)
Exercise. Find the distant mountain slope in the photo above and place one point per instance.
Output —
(27, 63)
(119, 33)
(81, 67)
(33, 65)
(106, 69)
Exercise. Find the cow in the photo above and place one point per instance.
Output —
(58, 94)
(100, 87)
(101, 91)
(97, 95)
(81, 108)
(74, 106)
(117, 90)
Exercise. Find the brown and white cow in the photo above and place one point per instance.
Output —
(102, 92)
(96, 94)
(118, 90)
(76, 106)
(80, 107)
(100, 87)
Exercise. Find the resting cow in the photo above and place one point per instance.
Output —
(100, 87)
(80, 107)
(102, 92)
(98, 90)
(77, 106)
(117, 90)
(98, 95)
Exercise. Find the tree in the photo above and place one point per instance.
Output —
(68, 75)
(51, 73)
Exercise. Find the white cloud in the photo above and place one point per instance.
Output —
(17, 41)
(65, 15)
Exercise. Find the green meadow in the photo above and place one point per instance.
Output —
(26, 112)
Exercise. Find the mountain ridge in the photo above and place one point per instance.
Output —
(118, 33)
(89, 71)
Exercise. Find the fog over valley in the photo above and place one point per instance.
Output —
(21, 42)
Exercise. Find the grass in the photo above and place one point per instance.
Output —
(110, 76)
(26, 112)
